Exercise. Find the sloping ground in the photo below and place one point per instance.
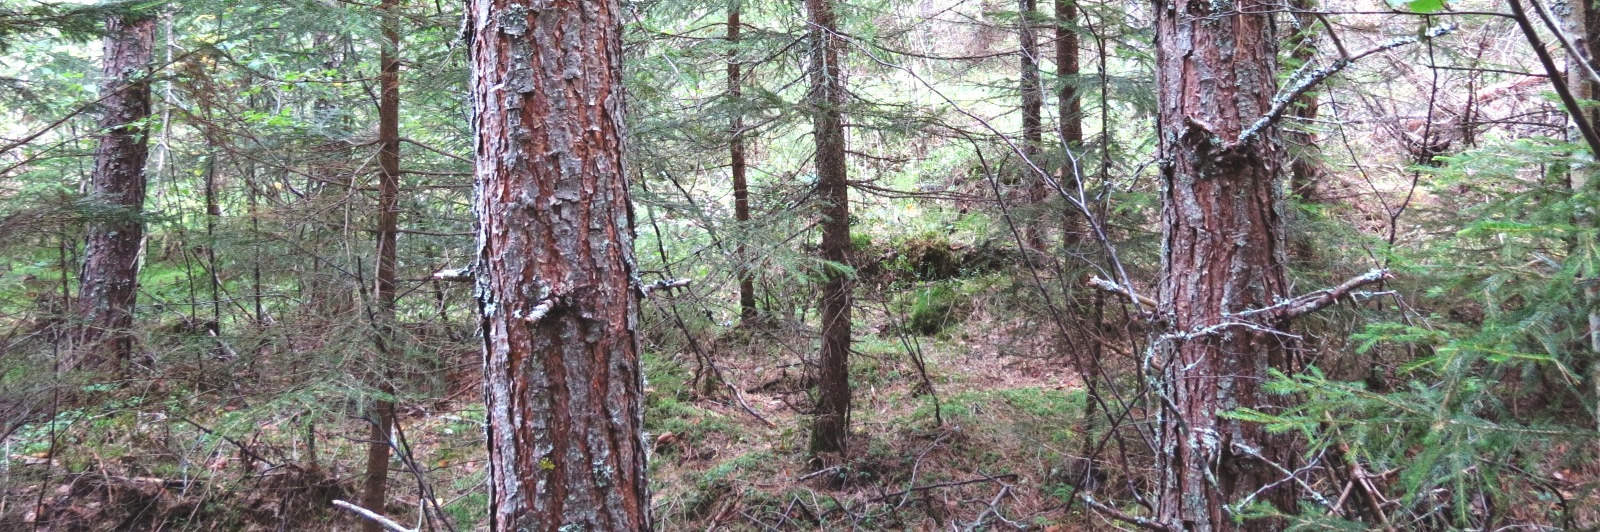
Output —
(999, 451)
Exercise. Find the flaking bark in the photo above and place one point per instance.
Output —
(109, 280)
(565, 427)
(1223, 253)
(831, 426)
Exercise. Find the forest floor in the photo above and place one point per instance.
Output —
(999, 448)
(999, 451)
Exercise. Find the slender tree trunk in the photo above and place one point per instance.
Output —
(1584, 22)
(1223, 253)
(109, 280)
(736, 155)
(831, 428)
(375, 495)
(1032, 110)
(555, 269)
(1305, 172)
(1067, 67)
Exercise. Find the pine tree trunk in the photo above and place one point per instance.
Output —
(109, 280)
(1223, 252)
(736, 155)
(831, 427)
(555, 269)
(375, 495)
(1305, 172)
(1067, 67)
(1032, 111)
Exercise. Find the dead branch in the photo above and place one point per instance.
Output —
(887, 496)
(1113, 287)
(453, 274)
(388, 524)
(663, 284)
(1320, 299)
(1119, 515)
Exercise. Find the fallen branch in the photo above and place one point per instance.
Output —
(388, 524)
(846, 508)
(999, 478)
(1119, 515)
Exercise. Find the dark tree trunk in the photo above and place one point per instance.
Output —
(1032, 111)
(376, 489)
(1071, 108)
(1304, 168)
(1223, 253)
(736, 155)
(109, 281)
(555, 268)
(831, 427)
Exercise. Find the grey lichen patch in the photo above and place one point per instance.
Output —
(514, 20)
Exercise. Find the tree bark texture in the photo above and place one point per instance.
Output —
(1223, 253)
(1067, 67)
(831, 426)
(738, 166)
(1305, 171)
(375, 495)
(109, 280)
(555, 269)
(1032, 118)
(1070, 107)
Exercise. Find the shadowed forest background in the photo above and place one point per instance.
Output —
(900, 264)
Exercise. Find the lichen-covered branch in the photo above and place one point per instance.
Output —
(1113, 287)
(1320, 299)
(453, 274)
(1306, 78)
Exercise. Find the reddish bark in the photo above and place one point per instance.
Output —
(831, 426)
(378, 447)
(1223, 253)
(109, 280)
(1032, 111)
(1070, 107)
(555, 268)
(736, 155)
(1305, 171)
(1067, 67)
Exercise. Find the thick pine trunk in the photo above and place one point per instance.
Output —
(378, 446)
(1223, 253)
(555, 268)
(831, 427)
(736, 155)
(109, 280)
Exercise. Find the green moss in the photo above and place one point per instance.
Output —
(936, 307)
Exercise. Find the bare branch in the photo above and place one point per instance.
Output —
(1304, 79)
(388, 524)
(1124, 291)
(1320, 299)
(1141, 522)
(453, 274)
(646, 290)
